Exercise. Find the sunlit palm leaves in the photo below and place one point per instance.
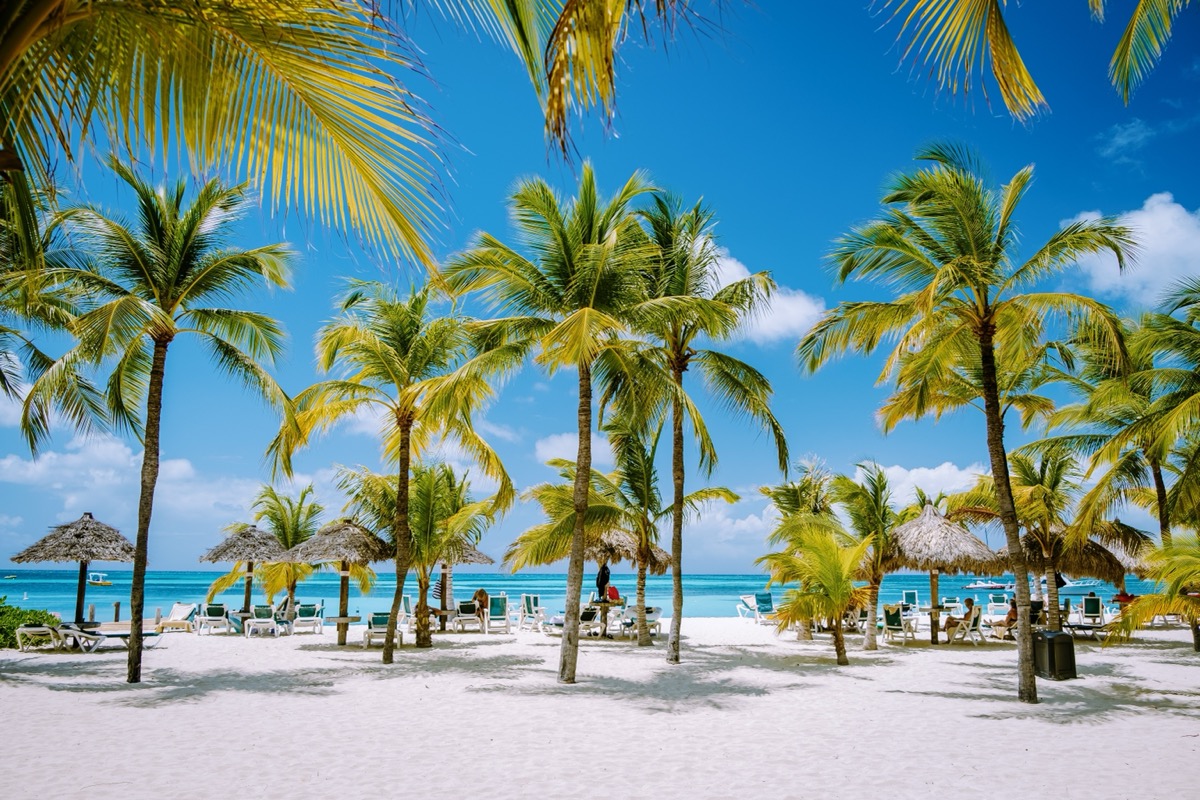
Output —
(825, 570)
(956, 37)
(299, 96)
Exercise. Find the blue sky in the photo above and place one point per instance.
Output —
(787, 123)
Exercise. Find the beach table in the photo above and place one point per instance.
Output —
(343, 624)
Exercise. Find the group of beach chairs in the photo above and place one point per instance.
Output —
(77, 637)
(900, 620)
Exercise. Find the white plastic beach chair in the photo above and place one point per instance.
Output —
(180, 618)
(309, 617)
(262, 622)
(377, 630)
(465, 617)
(895, 624)
(997, 604)
(532, 614)
(27, 632)
(497, 616)
(968, 629)
(213, 617)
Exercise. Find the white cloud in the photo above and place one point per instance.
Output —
(102, 474)
(566, 445)
(458, 460)
(367, 420)
(946, 477)
(1169, 249)
(791, 314)
(9, 521)
(1122, 139)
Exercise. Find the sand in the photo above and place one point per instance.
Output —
(748, 714)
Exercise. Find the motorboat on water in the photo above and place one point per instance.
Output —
(988, 584)
(1081, 586)
(98, 579)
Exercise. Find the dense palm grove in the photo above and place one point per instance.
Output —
(621, 290)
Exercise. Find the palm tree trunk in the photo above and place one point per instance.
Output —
(1026, 680)
(676, 517)
(1052, 615)
(871, 639)
(137, 593)
(569, 652)
(1196, 634)
(1160, 502)
(424, 629)
(642, 628)
(248, 587)
(401, 531)
(839, 643)
(343, 601)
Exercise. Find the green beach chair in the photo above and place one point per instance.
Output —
(309, 616)
(214, 617)
(377, 630)
(465, 617)
(497, 616)
(894, 624)
(262, 621)
(532, 614)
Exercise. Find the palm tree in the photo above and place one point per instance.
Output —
(443, 521)
(687, 304)
(423, 374)
(953, 37)
(626, 501)
(825, 570)
(573, 299)
(297, 96)
(150, 283)
(867, 504)
(291, 520)
(946, 243)
(1176, 568)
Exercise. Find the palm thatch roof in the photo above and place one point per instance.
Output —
(932, 542)
(248, 543)
(470, 555)
(85, 539)
(1089, 560)
(615, 546)
(340, 540)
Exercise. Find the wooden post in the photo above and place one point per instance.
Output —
(157, 618)
(344, 603)
(444, 596)
(934, 602)
(79, 590)
(91, 612)
(117, 611)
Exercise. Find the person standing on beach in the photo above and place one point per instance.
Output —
(602, 583)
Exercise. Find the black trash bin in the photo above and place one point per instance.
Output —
(1054, 655)
(1062, 656)
(1042, 655)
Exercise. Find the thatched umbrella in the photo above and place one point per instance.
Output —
(84, 540)
(932, 542)
(1089, 560)
(247, 544)
(345, 542)
(615, 546)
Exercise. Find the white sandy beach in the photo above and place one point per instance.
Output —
(749, 714)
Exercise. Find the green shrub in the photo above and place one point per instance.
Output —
(12, 618)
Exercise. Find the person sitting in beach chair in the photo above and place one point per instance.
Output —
(1003, 629)
(953, 622)
(482, 607)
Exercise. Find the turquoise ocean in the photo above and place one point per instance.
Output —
(704, 595)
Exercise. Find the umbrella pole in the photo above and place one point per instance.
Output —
(344, 603)
(249, 580)
(79, 591)
(934, 601)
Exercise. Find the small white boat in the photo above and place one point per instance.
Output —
(1082, 586)
(988, 584)
(10, 577)
(98, 579)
